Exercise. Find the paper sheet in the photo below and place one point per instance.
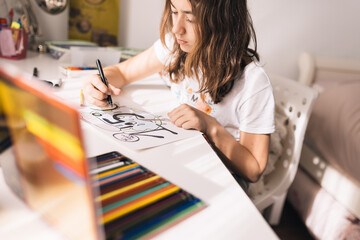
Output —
(135, 128)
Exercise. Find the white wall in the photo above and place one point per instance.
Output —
(287, 27)
(53, 27)
(284, 29)
(139, 22)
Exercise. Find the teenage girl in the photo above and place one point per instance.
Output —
(204, 50)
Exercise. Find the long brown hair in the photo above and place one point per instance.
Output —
(224, 30)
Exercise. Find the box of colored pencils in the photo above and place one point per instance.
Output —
(136, 202)
(71, 71)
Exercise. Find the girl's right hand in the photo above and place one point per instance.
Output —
(138, 67)
(95, 91)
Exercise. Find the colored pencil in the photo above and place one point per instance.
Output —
(133, 197)
(118, 177)
(135, 201)
(131, 192)
(138, 216)
(140, 203)
(124, 182)
(114, 171)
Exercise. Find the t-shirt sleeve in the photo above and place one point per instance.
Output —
(258, 112)
(163, 52)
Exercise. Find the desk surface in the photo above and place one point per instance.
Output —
(191, 164)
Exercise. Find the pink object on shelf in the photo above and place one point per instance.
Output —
(13, 43)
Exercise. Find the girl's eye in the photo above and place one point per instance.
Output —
(173, 12)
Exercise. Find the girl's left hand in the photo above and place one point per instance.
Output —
(188, 117)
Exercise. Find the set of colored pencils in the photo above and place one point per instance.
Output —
(137, 202)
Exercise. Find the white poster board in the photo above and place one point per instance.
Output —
(135, 128)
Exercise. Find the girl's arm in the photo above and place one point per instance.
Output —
(140, 66)
(247, 158)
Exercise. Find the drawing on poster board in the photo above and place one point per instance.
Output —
(130, 125)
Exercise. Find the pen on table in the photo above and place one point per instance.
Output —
(56, 83)
(103, 79)
(35, 72)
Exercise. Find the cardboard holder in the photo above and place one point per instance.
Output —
(22, 35)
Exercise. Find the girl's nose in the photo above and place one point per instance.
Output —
(178, 27)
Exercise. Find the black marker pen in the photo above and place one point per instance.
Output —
(103, 79)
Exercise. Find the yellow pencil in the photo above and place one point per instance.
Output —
(105, 174)
(127, 188)
(122, 211)
(81, 97)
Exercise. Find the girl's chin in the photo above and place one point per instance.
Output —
(185, 49)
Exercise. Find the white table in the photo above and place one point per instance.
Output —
(191, 164)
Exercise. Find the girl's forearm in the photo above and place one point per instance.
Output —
(140, 66)
(115, 76)
(234, 154)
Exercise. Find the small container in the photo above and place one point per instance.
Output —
(58, 48)
(13, 43)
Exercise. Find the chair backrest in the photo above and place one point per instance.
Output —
(295, 101)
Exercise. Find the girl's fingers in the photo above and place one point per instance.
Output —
(178, 111)
(95, 93)
(114, 90)
(98, 84)
(189, 125)
(96, 102)
(175, 116)
(179, 122)
(186, 117)
(172, 113)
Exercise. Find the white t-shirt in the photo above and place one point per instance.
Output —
(248, 107)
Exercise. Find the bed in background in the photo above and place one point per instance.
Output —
(326, 189)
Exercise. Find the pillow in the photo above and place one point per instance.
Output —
(334, 128)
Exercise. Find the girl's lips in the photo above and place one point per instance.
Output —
(181, 42)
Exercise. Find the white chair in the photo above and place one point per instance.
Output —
(295, 100)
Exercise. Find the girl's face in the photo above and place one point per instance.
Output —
(183, 24)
